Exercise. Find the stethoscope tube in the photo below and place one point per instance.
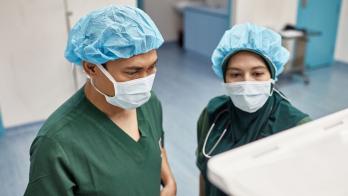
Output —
(208, 155)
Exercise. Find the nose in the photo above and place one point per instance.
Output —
(247, 77)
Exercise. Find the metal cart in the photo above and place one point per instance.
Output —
(295, 40)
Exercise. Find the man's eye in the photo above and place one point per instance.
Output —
(152, 68)
(131, 73)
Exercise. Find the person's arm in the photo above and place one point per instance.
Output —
(167, 178)
(49, 170)
(201, 186)
(202, 118)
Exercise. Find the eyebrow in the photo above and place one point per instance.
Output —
(233, 68)
(260, 67)
(257, 67)
(135, 67)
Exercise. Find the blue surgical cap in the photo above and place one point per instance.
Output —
(112, 33)
(253, 38)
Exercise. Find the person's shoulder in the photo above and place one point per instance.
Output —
(214, 105)
(288, 112)
(59, 131)
(44, 144)
(63, 117)
(54, 141)
(217, 103)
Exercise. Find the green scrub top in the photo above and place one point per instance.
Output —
(80, 151)
(276, 115)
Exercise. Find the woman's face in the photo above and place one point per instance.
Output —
(246, 66)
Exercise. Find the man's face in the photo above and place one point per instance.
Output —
(122, 70)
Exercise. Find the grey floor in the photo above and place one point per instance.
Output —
(184, 83)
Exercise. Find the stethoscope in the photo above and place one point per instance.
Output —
(208, 155)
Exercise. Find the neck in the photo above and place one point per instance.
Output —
(100, 102)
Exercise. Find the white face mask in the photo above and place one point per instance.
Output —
(249, 96)
(130, 94)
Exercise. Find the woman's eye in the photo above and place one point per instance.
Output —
(257, 74)
(234, 75)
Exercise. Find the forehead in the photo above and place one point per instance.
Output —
(246, 60)
(141, 60)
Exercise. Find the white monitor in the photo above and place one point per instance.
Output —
(308, 160)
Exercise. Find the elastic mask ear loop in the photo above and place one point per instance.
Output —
(90, 79)
(106, 73)
(87, 76)
(277, 91)
(92, 83)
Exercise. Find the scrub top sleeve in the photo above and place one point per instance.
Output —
(203, 118)
(161, 121)
(49, 170)
(201, 131)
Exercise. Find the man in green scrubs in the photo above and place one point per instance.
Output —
(106, 140)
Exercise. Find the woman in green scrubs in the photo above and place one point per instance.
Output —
(106, 140)
(248, 59)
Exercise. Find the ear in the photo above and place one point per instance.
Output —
(89, 68)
